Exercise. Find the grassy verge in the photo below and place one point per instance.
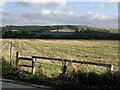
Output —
(74, 79)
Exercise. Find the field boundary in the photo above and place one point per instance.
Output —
(64, 61)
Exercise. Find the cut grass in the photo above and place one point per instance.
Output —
(83, 50)
(99, 51)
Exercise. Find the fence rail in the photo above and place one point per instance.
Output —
(66, 60)
(33, 59)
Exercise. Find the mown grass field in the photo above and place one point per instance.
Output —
(99, 51)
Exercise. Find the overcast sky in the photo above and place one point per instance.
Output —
(38, 12)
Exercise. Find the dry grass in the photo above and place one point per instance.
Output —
(99, 51)
(49, 72)
(61, 30)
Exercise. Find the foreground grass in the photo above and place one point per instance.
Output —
(79, 79)
(49, 72)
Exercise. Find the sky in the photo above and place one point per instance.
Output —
(96, 13)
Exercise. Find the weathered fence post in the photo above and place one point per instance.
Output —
(17, 58)
(10, 55)
(33, 65)
(65, 64)
(110, 68)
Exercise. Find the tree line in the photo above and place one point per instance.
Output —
(80, 32)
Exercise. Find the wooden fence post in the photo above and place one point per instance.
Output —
(64, 68)
(10, 55)
(110, 68)
(17, 58)
(33, 65)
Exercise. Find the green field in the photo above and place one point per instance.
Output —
(99, 51)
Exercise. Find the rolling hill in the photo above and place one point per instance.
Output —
(53, 31)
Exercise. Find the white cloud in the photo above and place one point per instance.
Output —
(45, 12)
(44, 3)
(2, 3)
(4, 11)
(101, 5)
(30, 3)
(61, 17)
(113, 2)
(95, 16)
(70, 13)
(10, 17)
(58, 12)
(110, 2)
(51, 17)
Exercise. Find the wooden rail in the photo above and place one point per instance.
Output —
(66, 60)
(28, 59)
(65, 64)
(109, 66)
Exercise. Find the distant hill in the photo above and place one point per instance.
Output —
(59, 31)
(54, 27)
